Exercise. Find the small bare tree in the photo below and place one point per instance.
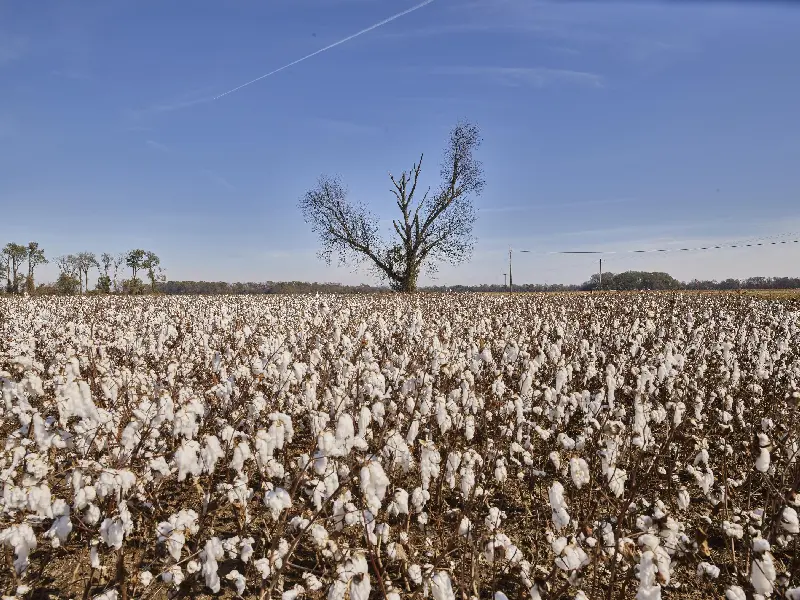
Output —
(435, 227)
(86, 261)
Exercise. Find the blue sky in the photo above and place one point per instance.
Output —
(606, 126)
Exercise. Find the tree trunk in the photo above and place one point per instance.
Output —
(409, 281)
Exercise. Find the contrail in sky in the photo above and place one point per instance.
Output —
(333, 45)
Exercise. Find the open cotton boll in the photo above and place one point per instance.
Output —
(647, 571)
(558, 505)
(277, 501)
(22, 540)
(239, 581)
(441, 587)
(572, 558)
(107, 595)
(764, 447)
(212, 552)
(579, 470)
(735, 593)
(789, 521)
(373, 483)
(705, 569)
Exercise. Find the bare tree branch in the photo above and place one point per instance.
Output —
(435, 227)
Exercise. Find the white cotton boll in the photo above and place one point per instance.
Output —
(579, 470)
(399, 503)
(374, 483)
(494, 518)
(500, 471)
(112, 531)
(789, 521)
(734, 530)
(94, 555)
(22, 540)
(500, 596)
(173, 575)
(761, 545)
(418, 499)
(735, 593)
(312, 582)
(555, 458)
(239, 581)
(193, 567)
(441, 587)
(705, 569)
(647, 570)
(145, 578)
(212, 552)
(558, 505)
(793, 594)
(616, 481)
(566, 442)
(277, 501)
(292, 594)
(572, 558)
(559, 544)
(430, 460)
(241, 454)
(763, 460)
(763, 575)
(263, 568)
(187, 459)
(415, 574)
(107, 595)
(92, 515)
(683, 499)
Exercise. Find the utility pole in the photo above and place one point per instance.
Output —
(601, 274)
(505, 285)
(510, 279)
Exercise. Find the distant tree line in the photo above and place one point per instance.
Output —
(74, 270)
(627, 281)
(18, 263)
(267, 287)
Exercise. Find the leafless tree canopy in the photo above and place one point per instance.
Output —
(435, 227)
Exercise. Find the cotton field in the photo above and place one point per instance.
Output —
(421, 446)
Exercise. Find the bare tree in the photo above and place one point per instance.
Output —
(85, 261)
(119, 260)
(35, 257)
(435, 227)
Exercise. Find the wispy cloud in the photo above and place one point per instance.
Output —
(527, 207)
(343, 126)
(219, 180)
(12, 47)
(523, 76)
(172, 106)
(157, 145)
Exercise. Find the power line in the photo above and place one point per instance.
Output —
(756, 242)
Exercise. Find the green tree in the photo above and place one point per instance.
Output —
(435, 227)
(68, 281)
(135, 259)
(103, 284)
(15, 255)
(151, 263)
(35, 258)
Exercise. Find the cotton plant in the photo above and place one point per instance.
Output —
(366, 431)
